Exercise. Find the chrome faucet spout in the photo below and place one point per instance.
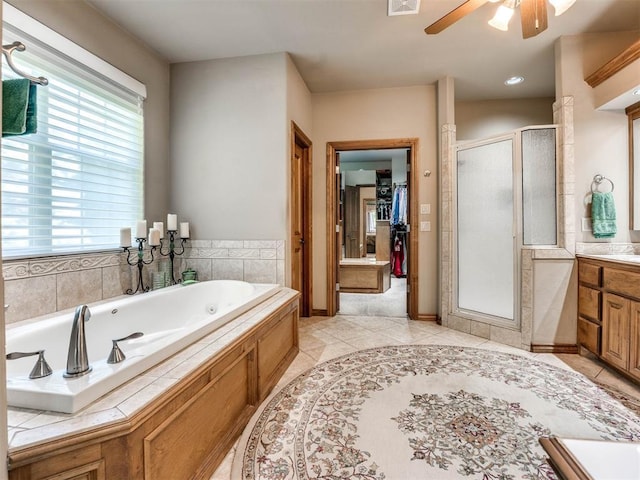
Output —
(77, 358)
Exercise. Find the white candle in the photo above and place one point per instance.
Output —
(184, 229)
(172, 221)
(159, 226)
(141, 229)
(154, 237)
(125, 237)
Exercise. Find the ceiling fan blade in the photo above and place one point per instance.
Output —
(533, 15)
(453, 16)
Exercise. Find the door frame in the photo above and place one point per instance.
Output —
(298, 137)
(333, 221)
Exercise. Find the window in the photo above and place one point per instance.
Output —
(70, 187)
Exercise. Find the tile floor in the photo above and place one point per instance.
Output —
(323, 338)
(392, 303)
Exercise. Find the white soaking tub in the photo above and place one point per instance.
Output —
(170, 319)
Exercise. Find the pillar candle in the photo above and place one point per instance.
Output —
(125, 237)
(154, 237)
(184, 229)
(159, 226)
(141, 229)
(172, 221)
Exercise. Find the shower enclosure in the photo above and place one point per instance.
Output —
(505, 198)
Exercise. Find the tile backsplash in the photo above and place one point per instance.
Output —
(44, 285)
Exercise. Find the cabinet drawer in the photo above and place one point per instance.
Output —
(622, 282)
(590, 274)
(589, 302)
(589, 335)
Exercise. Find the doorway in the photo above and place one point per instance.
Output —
(300, 195)
(372, 258)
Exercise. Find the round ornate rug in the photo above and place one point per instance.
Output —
(427, 412)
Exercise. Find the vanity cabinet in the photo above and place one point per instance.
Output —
(609, 312)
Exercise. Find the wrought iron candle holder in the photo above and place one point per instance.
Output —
(171, 250)
(140, 262)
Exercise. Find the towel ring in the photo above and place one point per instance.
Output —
(597, 180)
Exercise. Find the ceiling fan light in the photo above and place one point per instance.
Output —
(561, 6)
(501, 19)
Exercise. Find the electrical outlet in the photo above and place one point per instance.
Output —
(586, 224)
(425, 208)
(425, 226)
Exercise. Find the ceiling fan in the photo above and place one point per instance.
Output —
(533, 15)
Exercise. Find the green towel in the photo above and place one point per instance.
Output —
(603, 215)
(19, 107)
(31, 125)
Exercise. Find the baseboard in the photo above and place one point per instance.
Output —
(428, 317)
(319, 313)
(557, 348)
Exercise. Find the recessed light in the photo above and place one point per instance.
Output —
(514, 80)
(636, 91)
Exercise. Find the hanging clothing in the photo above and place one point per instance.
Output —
(399, 206)
(399, 254)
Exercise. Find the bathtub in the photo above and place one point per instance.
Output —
(170, 319)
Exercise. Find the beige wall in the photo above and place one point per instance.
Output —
(600, 137)
(84, 25)
(299, 111)
(374, 115)
(229, 146)
(477, 120)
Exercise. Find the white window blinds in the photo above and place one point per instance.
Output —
(73, 184)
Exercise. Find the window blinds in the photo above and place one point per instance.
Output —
(73, 184)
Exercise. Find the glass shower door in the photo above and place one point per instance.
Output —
(485, 230)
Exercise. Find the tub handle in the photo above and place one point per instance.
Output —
(40, 369)
(117, 355)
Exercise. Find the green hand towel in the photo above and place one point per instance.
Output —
(31, 125)
(15, 103)
(603, 215)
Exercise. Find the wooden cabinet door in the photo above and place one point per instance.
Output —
(615, 330)
(634, 344)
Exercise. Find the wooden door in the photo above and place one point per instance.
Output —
(301, 218)
(634, 345)
(408, 238)
(351, 222)
(339, 214)
(615, 330)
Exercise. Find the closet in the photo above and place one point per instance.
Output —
(391, 201)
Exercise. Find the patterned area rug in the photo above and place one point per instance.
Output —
(427, 412)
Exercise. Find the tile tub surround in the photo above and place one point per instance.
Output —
(45, 285)
(29, 428)
(254, 261)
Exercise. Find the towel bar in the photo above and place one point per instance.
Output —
(597, 180)
(7, 50)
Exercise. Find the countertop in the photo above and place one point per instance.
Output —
(618, 258)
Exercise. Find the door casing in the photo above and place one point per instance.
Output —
(332, 216)
(301, 202)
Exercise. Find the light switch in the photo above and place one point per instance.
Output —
(425, 208)
(425, 226)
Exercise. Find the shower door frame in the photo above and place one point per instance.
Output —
(517, 227)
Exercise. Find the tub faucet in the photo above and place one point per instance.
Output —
(77, 358)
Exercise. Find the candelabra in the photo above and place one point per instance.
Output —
(172, 252)
(140, 263)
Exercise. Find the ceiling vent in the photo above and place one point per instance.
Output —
(403, 7)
